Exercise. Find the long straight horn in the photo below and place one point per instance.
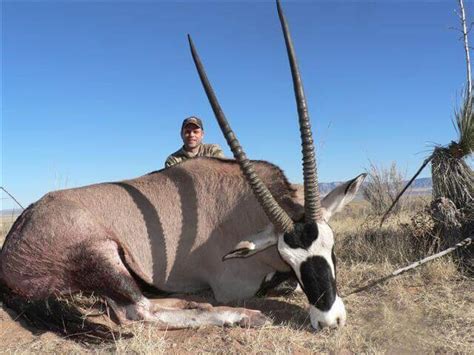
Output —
(274, 212)
(312, 199)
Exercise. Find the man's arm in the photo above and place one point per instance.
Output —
(216, 151)
(170, 161)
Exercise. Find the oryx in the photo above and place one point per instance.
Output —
(194, 226)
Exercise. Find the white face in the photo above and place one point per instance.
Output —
(309, 252)
(192, 136)
(310, 255)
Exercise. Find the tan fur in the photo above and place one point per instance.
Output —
(173, 227)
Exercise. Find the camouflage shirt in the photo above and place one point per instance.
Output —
(204, 150)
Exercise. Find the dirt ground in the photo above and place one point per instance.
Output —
(410, 315)
(428, 310)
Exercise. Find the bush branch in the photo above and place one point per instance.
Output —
(13, 198)
(466, 47)
(402, 270)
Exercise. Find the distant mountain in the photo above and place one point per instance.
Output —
(10, 212)
(419, 186)
(424, 183)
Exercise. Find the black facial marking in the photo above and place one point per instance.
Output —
(302, 237)
(281, 283)
(333, 258)
(318, 283)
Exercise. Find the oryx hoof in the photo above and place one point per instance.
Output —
(253, 319)
(198, 305)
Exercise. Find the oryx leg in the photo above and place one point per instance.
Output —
(205, 315)
(278, 283)
(101, 269)
(178, 303)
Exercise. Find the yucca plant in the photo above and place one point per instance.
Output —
(452, 176)
(453, 179)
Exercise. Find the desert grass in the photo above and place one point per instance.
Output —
(428, 310)
(6, 223)
(381, 188)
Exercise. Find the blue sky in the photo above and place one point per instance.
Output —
(96, 91)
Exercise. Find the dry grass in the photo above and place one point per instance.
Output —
(428, 310)
(5, 224)
(382, 186)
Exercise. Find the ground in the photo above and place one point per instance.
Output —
(429, 309)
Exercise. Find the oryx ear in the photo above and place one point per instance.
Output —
(339, 197)
(254, 244)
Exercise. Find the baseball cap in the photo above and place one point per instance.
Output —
(192, 120)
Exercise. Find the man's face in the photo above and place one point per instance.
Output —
(192, 136)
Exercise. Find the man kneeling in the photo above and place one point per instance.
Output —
(192, 133)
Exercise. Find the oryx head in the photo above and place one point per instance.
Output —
(306, 245)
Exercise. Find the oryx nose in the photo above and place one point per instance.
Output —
(334, 318)
(336, 324)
